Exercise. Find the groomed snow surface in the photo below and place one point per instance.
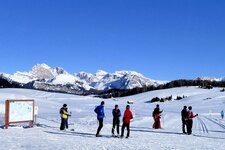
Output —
(208, 128)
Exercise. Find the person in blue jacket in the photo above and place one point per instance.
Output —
(100, 116)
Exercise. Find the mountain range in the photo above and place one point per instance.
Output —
(44, 77)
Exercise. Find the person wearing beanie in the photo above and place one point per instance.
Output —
(183, 118)
(156, 114)
(116, 120)
(126, 121)
(64, 116)
(189, 119)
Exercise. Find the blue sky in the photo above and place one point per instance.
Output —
(162, 39)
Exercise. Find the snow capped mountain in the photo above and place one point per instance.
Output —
(38, 72)
(101, 73)
(21, 77)
(121, 80)
(58, 71)
(103, 80)
(87, 77)
(43, 71)
(64, 79)
(210, 79)
(44, 77)
(122, 73)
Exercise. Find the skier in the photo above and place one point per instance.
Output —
(189, 120)
(116, 120)
(222, 114)
(126, 121)
(100, 115)
(183, 118)
(64, 116)
(156, 116)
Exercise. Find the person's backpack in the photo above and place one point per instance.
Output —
(96, 110)
(61, 111)
(153, 114)
(189, 114)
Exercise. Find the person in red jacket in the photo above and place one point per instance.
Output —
(126, 121)
(190, 116)
(156, 116)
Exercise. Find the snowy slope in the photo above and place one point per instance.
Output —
(208, 128)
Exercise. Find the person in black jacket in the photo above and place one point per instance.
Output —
(183, 118)
(116, 120)
(64, 116)
(156, 116)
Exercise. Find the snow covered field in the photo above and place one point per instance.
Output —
(208, 128)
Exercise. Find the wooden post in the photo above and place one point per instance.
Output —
(33, 121)
(7, 114)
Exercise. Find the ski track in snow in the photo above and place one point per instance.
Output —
(208, 128)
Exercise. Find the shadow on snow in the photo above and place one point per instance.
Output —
(150, 130)
(82, 134)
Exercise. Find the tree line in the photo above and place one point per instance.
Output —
(206, 84)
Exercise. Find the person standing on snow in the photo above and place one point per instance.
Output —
(189, 119)
(99, 110)
(183, 118)
(69, 114)
(126, 121)
(156, 116)
(222, 114)
(64, 116)
(116, 120)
